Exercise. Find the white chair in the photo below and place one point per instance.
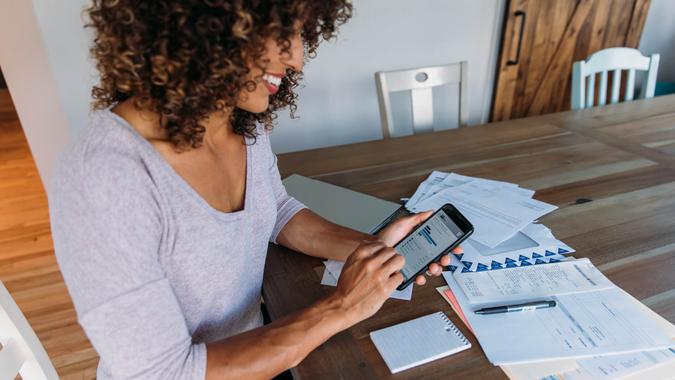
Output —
(21, 351)
(420, 82)
(615, 60)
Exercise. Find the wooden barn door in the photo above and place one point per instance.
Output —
(543, 38)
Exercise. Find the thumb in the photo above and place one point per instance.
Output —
(401, 227)
(413, 220)
(426, 214)
(422, 216)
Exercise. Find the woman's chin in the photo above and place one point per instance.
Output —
(255, 108)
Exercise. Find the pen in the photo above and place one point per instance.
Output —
(519, 307)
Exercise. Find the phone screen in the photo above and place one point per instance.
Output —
(433, 237)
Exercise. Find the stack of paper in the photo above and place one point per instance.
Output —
(503, 214)
(658, 364)
(596, 330)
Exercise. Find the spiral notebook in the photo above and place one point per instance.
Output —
(418, 341)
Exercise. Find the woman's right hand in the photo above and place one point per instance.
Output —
(368, 278)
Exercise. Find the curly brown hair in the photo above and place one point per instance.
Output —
(185, 59)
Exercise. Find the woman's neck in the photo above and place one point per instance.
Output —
(147, 123)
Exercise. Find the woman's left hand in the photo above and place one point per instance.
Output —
(397, 230)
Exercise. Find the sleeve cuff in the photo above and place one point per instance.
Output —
(286, 211)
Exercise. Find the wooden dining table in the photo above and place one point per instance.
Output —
(610, 170)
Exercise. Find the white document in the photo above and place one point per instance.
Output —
(539, 371)
(581, 325)
(332, 274)
(633, 366)
(531, 283)
(438, 181)
(454, 179)
(496, 215)
(619, 366)
(663, 372)
(534, 244)
(623, 371)
(614, 367)
(427, 186)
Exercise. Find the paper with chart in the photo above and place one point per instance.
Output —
(531, 283)
(496, 215)
(332, 274)
(534, 244)
(581, 325)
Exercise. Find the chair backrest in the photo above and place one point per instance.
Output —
(420, 82)
(21, 351)
(615, 60)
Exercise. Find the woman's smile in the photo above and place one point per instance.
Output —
(272, 81)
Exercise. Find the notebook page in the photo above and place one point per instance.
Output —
(418, 341)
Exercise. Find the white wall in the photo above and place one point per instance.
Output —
(67, 44)
(658, 36)
(44, 56)
(338, 104)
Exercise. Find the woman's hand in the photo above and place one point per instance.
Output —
(368, 278)
(397, 230)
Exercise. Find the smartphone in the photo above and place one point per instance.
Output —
(399, 213)
(436, 236)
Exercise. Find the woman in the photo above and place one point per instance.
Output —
(162, 211)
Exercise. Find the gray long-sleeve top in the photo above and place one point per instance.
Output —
(153, 270)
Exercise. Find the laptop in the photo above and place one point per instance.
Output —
(342, 206)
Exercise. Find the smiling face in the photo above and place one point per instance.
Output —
(276, 64)
(200, 61)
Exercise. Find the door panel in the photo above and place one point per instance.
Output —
(555, 34)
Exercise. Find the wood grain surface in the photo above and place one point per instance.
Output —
(554, 35)
(621, 157)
